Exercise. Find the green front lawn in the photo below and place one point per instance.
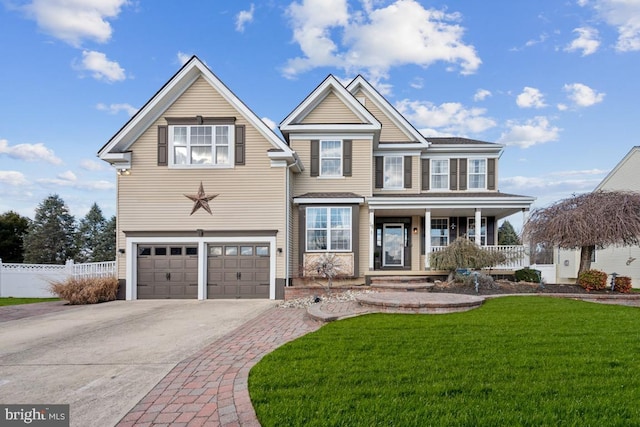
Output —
(516, 361)
(17, 301)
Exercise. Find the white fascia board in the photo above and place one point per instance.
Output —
(396, 153)
(381, 149)
(432, 202)
(327, 200)
(307, 136)
(118, 159)
(340, 127)
(386, 107)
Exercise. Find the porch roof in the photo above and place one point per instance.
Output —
(329, 197)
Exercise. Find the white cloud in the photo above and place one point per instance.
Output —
(449, 117)
(272, 125)
(70, 180)
(587, 41)
(29, 152)
(244, 17)
(530, 98)
(624, 15)
(582, 95)
(417, 83)
(75, 20)
(533, 132)
(92, 165)
(481, 95)
(580, 172)
(183, 57)
(562, 107)
(373, 40)
(101, 67)
(13, 178)
(116, 108)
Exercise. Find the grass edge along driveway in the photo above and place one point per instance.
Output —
(6, 301)
(517, 361)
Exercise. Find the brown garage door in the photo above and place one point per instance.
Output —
(238, 270)
(167, 271)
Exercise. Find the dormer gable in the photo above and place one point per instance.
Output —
(329, 108)
(117, 150)
(399, 129)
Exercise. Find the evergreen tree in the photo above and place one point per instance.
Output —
(104, 247)
(13, 228)
(90, 230)
(507, 236)
(50, 238)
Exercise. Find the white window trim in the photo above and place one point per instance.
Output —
(384, 169)
(486, 173)
(448, 230)
(320, 158)
(328, 229)
(231, 149)
(431, 174)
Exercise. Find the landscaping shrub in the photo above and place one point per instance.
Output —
(527, 275)
(623, 284)
(485, 281)
(593, 280)
(463, 253)
(86, 290)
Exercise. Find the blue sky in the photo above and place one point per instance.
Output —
(556, 82)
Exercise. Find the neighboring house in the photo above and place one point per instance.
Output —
(213, 204)
(625, 261)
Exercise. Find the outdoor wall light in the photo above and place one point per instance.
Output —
(121, 251)
(415, 230)
(124, 171)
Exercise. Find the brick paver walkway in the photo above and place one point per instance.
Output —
(210, 388)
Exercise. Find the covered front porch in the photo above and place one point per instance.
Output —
(404, 232)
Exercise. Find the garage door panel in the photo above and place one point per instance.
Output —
(238, 271)
(167, 272)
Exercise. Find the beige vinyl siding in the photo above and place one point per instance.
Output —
(250, 197)
(359, 183)
(364, 240)
(331, 110)
(389, 132)
(625, 178)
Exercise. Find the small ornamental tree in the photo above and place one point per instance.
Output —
(597, 219)
(328, 266)
(463, 253)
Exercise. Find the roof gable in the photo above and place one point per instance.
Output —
(167, 95)
(360, 84)
(624, 176)
(325, 92)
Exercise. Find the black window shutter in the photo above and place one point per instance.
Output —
(379, 170)
(453, 174)
(347, 148)
(407, 172)
(163, 145)
(240, 145)
(315, 158)
(425, 174)
(491, 174)
(463, 174)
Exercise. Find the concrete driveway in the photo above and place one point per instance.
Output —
(102, 359)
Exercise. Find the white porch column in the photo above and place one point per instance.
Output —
(427, 239)
(525, 243)
(478, 225)
(372, 239)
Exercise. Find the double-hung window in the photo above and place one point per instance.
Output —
(328, 229)
(393, 172)
(440, 174)
(330, 158)
(201, 145)
(477, 174)
(471, 230)
(439, 232)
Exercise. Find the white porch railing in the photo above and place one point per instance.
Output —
(32, 280)
(516, 256)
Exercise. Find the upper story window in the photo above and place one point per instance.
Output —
(328, 228)
(201, 145)
(440, 174)
(477, 174)
(393, 172)
(330, 158)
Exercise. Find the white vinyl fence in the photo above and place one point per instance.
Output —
(33, 280)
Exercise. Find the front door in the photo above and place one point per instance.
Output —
(393, 245)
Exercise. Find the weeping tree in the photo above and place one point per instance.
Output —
(598, 219)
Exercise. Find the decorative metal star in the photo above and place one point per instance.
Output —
(201, 200)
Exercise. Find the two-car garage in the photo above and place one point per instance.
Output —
(234, 269)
